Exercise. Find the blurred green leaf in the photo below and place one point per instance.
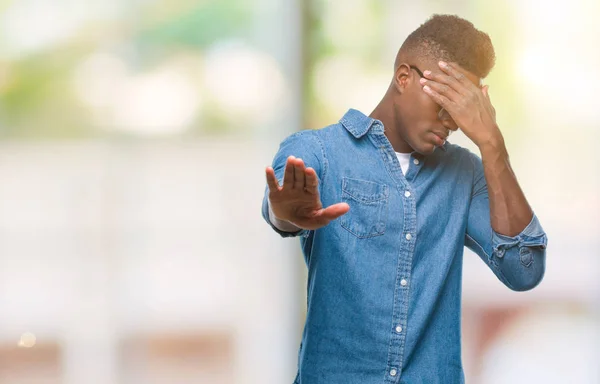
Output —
(200, 26)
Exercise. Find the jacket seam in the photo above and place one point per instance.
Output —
(492, 262)
(325, 162)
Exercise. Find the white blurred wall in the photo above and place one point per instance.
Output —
(100, 243)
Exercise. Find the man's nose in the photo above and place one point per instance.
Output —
(450, 125)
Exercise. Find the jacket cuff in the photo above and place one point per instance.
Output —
(532, 236)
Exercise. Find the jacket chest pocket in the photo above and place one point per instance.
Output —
(368, 203)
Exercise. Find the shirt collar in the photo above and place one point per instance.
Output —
(358, 124)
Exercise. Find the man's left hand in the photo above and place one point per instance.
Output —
(468, 105)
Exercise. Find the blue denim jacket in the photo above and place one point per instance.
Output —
(384, 280)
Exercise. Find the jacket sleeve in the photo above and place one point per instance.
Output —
(518, 261)
(307, 146)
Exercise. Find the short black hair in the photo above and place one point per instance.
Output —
(452, 39)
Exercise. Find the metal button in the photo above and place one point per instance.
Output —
(398, 329)
(393, 372)
(403, 282)
(407, 193)
(416, 161)
(408, 236)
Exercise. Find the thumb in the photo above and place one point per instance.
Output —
(334, 211)
(486, 91)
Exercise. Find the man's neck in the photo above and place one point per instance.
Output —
(384, 112)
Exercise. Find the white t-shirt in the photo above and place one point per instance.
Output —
(404, 159)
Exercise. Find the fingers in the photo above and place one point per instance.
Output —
(438, 98)
(446, 82)
(486, 91)
(294, 174)
(288, 175)
(456, 74)
(272, 180)
(312, 181)
(441, 89)
(299, 178)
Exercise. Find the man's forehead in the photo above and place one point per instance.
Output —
(435, 68)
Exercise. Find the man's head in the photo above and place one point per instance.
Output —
(443, 37)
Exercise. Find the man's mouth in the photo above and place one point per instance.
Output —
(442, 137)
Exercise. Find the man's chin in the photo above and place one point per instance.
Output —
(425, 148)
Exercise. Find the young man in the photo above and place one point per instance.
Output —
(385, 256)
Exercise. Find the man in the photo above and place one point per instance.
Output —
(384, 256)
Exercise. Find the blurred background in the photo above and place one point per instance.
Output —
(133, 140)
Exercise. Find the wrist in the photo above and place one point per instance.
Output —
(283, 225)
(493, 142)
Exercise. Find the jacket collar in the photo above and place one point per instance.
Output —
(358, 124)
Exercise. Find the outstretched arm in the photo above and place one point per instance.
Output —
(292, 203)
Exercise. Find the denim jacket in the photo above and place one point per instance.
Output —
(384, 280)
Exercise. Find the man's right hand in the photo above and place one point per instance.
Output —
(297, 201)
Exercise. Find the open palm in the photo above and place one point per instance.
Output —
(298, 201)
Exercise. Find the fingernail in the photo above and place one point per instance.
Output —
(423, 81)
(426, 88)
(443, 64)
(427, 73)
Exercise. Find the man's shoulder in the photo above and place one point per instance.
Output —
(309, 140)
(342, 129)
(317, 134)
(457, 156)
(457, 151)
(305, 135)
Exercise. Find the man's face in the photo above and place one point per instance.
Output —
(425, 125)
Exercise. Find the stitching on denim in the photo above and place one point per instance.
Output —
(411, 248)
(479, 245)
(492, 263)
(526, 251)
(501, 275)
(325, 161)
(384, 205)
(384, 195)
(363, 199)
(472, 158)
(381, 148)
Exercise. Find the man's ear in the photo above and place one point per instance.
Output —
(402, 77)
